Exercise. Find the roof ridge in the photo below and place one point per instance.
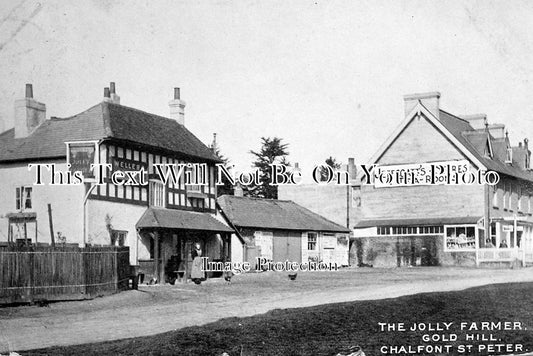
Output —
(55, 118)
(138, 110)
(318, 215)
(257, 198)
(454, 116)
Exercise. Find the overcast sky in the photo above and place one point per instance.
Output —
(326, 76)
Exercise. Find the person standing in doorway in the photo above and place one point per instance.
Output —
(197, 274)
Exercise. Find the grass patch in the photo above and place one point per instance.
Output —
(333, 328)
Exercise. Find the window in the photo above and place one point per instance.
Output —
(197, 174)
(157, 194)
(509, 157)
(118, 237)
(311, 241)
(409, 230)
(460, 237)
(519, 199)
(495, 197)
(431, 230)
(510, 197)
(383, 230)
(23, 198)
(197, 202)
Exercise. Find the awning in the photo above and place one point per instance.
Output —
(510, 220)
(21, 216)
(418, 222)
(180, 219)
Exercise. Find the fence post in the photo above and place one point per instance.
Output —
(50, 221)
(116, 269)
(31, 290)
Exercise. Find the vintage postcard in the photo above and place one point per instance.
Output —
(306, 177)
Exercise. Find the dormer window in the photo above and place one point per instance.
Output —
(488, 149)
(509, 157)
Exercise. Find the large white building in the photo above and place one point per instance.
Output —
(159, 222)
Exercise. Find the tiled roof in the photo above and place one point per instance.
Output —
(103, 121)
(274, 214)
(461, 129)
(180, 219)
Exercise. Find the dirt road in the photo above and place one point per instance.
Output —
(156, 309)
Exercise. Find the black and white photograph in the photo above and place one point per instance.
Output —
(256, 177)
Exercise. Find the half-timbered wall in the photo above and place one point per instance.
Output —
(177, 196)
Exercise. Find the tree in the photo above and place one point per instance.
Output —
(332, 162)
(273, 151)
(227, 188)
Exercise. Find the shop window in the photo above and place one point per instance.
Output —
(23, 198)
(460, 237)
(157, 194)
(311, 241)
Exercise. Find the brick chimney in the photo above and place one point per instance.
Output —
(477, 121)
(115, 99)
(238, 191)
(107, 95)
(497, 130)
(177, 108)
(352, 170)
(29, 114)
(429, 100)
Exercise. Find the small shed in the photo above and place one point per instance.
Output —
(281, 230)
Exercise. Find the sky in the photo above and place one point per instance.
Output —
(328, 77)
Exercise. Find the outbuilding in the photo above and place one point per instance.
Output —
(281, 230)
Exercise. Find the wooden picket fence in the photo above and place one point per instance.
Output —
(45, 273)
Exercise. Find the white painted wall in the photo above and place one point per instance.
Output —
(123, 217)
(237, 249)
(66, 201)
(329, 249)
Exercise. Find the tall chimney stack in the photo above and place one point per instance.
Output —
(115, 99)
(352, 170)
(177, 108)
(238, 191)
(477, 121)
(107, 95)
(429, 100)
(29, 114)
